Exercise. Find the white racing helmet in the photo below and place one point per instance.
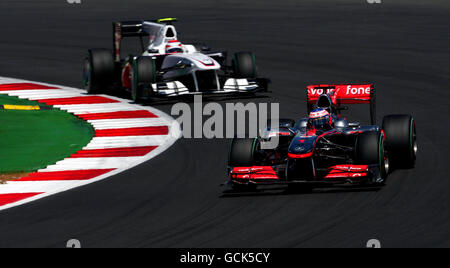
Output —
(174, 46)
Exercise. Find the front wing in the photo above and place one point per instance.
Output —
(271, 175)
(231, 87)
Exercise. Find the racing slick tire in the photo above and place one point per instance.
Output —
(244, 65)
(401, 140)
(370, 150)
(242, 154)
(98, 70)
(144, 75)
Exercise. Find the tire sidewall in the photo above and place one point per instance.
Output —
(242, 152)
(371, 150)
(142, 74)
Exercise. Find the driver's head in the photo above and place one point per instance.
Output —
(174, 47)
(320, 119)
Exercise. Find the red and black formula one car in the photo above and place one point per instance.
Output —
(325, 148)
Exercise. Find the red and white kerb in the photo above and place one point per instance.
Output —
(125, 135)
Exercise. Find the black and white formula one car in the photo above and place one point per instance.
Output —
(325, 148)
(166, 67)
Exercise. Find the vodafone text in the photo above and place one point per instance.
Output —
(358, 90)
(349, 90)
(227, 258)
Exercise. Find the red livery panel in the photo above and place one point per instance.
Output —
(254, 173)
(343, 94)
(300, 156)
(347, 171)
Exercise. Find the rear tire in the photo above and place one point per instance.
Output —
(244, 65)
(144, 75)
(401, 140)
(98, 70)
(370, 150)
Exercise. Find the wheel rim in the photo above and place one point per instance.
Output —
(414, 140)
(386, 165)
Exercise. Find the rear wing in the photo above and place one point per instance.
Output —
(344, 94)
(122, 29)
(141, 29)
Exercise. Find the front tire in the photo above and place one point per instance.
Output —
(244, 65)
(370, 150)
(401, 140)
(242, 152)
(144, 75)
(98, 70)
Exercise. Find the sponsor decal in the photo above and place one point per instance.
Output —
(317, 91)
(358, 90)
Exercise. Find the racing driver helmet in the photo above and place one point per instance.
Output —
(320, 119)
(174, 47)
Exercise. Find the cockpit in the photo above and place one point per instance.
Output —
(159, 36)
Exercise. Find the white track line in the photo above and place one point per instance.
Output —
(132, 141)
(91, 163)
(37, 186)
(42, 94)
(126, 123)
(97, 108)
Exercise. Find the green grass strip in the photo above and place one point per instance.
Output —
(31, 140)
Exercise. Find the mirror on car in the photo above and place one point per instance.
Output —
(206, 48)
(180, 65)
(183, 64)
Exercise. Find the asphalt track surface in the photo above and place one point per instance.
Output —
(175, 199)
